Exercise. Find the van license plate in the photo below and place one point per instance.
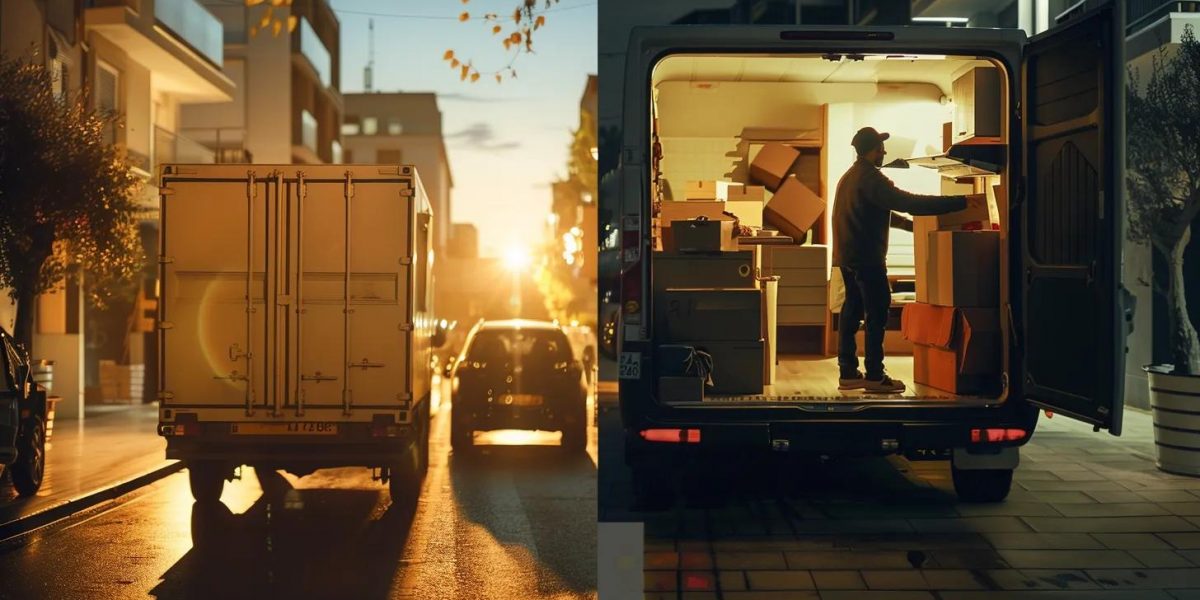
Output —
(630, 365)
(283, 428)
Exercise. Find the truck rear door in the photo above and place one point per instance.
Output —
(1070, 219)
(288, 292)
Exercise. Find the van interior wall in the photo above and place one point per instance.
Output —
(706, 127)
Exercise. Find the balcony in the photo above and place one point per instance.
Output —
(171, 147)
(225, 144)
(1149, 24)
(179, 41)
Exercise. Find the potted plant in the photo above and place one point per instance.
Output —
(1163, 180)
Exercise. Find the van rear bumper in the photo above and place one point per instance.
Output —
(823, 437)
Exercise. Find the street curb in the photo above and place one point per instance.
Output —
(28, 523)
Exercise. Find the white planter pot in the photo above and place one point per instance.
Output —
(1175, 406)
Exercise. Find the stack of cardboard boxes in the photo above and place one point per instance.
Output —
(709, 295)
(955, 323)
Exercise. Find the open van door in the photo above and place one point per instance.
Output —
(1071, 305)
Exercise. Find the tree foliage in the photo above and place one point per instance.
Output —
(67, 196)
(515, 32)
(1163, 175)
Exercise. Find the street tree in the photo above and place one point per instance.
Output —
(1163, 178)
(67, 195)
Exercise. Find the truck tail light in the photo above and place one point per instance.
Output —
(671, 436)
(997, 434)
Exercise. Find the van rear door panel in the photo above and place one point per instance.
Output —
(1070, 219)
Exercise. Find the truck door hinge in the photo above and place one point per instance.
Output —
(164, 395)
(165, 260)
(405, 327)
(406, 260)
(165, 325)
(165, 191)
(407, 193)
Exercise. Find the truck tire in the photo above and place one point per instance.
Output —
(404, 482)
(461, 440)
(574, 434)
(207, 480)
(27, 472)
(982, 485)
(653, 488)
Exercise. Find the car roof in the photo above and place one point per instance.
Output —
(519, 324)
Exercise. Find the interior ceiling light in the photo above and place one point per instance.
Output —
(949, 21)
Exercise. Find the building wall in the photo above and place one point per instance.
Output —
(268, 101)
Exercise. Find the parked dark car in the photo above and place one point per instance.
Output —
(518, 375)
(22, 419)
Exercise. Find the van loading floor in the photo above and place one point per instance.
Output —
(801, 378)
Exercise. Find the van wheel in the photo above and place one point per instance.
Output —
(982, 485)
(653, 488)
(207, 480)
(27, 472)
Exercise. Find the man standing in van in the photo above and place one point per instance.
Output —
(862, 213)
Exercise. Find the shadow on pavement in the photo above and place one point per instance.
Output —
(551, 507)
(312, 543)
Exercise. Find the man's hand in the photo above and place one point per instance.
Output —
(977, 201)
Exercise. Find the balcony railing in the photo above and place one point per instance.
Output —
(225, 143)
(195, 25)
(1140, 14)
(170, 147)
(315, 51)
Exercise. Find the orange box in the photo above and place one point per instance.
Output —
(793, 209)
(954, 349)
(772, 165)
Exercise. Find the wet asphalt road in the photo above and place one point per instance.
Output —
(511, 521)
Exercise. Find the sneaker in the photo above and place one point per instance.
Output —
(884, 385)
(855, 382)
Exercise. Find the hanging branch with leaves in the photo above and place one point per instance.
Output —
(517, 38)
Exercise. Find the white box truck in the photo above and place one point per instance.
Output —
(695, 96)
(295, 321)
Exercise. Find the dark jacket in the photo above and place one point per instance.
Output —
(862, 213)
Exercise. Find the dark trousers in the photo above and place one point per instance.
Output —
(867, 293)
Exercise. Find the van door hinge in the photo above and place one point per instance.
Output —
(405, 327)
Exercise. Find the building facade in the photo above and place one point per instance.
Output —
(287, 107)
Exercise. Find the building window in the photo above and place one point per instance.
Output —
(308, 130)
(395, 127)
(387, 156)
(61, 83)
(351, 126)
(314, 50)
(335, 149)
(108, 83)
(370, 126)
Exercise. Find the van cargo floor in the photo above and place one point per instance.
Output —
(809, 378)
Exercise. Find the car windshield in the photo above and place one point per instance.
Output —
(529, 346)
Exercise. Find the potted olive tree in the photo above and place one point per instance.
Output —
(1163, 179)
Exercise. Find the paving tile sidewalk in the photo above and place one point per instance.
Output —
(111, 446)
(1089, 517)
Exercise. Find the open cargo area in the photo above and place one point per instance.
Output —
(749, 149)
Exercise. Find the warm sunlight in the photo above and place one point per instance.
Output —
(517, 258)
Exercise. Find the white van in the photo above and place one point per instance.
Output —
(698, 98)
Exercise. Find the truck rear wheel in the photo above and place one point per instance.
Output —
(982, 485)
(207, 480)
(27, 472)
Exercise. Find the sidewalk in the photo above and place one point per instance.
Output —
(88, 462)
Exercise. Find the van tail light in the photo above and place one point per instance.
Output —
(993, 435)
(671, 436)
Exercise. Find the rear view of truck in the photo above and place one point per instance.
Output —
(295, 324)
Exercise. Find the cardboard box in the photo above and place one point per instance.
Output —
(720, 270)
(814, 256)
(772, 164)
(683, 211)
(702, 235)
(954, 349)
(707, 190)
(793, 209)
(956, 220)
(963, 268)
(749, 213)
(737, 366)
(680, 389)
(709, 314)
(744, 193)
(894, 343)
(802, 294)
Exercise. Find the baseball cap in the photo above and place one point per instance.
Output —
(867, 139)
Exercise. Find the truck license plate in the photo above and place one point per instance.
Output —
(283, 428)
